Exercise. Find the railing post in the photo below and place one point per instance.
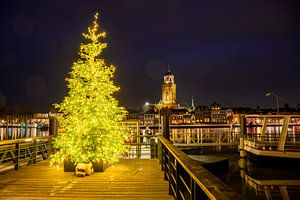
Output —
(34, 151)
(168, 173)
(165, 163)
(243, 129)
(152, 148)
(177, 177)
(49, 146)
(264, 128)
(17, 158)
(53, 126)
(166, 123)
(193, 189)
(139, 147)
(155, 150)
(283, 134)
(159, 151)
(7, 119)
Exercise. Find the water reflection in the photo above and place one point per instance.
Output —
(23, 131)
(253, 181)
(269, 183)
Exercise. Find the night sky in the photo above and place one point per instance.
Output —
(230, 51)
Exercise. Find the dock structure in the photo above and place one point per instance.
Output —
(128, 179)
(273, 189)
(283, 143)
(172, 175)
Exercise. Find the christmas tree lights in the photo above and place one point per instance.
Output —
(92, 121)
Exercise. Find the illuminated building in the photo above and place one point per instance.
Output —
(169, 91)
(202, 114)
(182, 114)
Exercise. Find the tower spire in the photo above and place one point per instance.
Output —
(169, 90)
(169, 68)
(193, 105)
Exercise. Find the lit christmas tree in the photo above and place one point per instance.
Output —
(92, 121)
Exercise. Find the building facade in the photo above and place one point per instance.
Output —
(168, 91)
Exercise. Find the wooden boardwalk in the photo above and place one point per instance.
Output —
(128, 179)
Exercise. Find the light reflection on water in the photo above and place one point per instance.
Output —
(253, 181)
(22, 132)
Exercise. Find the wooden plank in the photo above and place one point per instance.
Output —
(128, 179)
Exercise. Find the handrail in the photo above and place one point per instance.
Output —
(27, 149)
(28, 139)
(201, 184)
(141, 146)
(270, 116)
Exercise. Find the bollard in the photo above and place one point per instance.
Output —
(17, 158)
(243, 127)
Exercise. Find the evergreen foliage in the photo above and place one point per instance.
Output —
(92, 123)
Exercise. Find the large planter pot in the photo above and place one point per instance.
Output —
(69, 166)
(100, 166)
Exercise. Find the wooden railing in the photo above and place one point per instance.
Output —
(270, 141)
(282, 139)
(187, 178)
(142, 146)
(205, 138)
(25, 151)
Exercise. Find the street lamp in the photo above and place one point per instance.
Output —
(277, 100)
(148, 104)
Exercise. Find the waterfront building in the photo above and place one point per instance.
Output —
(202, 114)
(186, 122)
(134, 115)
(168, 91)
(216, 115)
(133, 126)
(150, 118)
(182, 114)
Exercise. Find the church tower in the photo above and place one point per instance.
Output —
(169, 90)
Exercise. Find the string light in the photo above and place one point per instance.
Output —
(92, 121)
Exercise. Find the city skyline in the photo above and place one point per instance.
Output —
(231, 53)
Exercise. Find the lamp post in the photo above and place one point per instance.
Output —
(158, 108)
(277, 100)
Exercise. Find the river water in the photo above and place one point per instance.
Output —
(271, 180)
(255, 181)
(20, 131)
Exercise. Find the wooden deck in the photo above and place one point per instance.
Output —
(128, 179)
